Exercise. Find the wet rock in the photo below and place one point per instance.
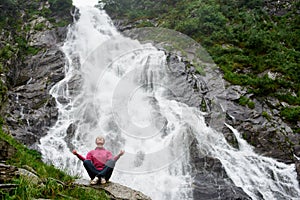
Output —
(235, 92)
(230, 137)
(297, 150)
(70, 135)
(30, 109)
(297, 165)
(268, 133)
(210, 178)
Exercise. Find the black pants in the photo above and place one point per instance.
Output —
(106, 172)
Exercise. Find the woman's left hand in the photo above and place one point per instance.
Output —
(121, 153)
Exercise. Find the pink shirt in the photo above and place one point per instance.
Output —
(99, 157)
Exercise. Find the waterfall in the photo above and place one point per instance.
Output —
(116, 87)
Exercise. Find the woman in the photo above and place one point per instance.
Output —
(99, 163)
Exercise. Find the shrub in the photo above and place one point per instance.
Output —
(291, 114)
(244, 101)
(60, 5)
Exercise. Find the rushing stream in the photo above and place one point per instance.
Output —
(116, 87)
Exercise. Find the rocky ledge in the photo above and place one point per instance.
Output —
(115, 190)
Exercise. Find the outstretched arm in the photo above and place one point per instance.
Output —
(121, 153)
(78, 155)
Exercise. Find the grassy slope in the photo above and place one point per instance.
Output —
(243, 39)
(57, 184)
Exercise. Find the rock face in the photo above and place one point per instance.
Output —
(211, 180)
(261, 126)
(278, 8)
(30, 109)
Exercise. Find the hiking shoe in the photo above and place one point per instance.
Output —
(103, 181)
(95, 181)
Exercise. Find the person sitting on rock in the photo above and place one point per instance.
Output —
(99, 163)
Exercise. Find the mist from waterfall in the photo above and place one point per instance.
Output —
(116, 87)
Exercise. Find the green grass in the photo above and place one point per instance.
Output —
(244, 101)
(56, 184)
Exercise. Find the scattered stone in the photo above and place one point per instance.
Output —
(7, 173)
(31, 177)
(6, 150)
(8, 187)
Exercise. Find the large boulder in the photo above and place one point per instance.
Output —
(115, 190)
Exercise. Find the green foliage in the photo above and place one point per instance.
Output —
(291, 114)
(250, 3)
(206, 20)
(135, 9)
(25, 156)
(7, 52)
(3, 91)
(60, 5)
(145, 24)
(52, 189)
(8, 3)
(61, 23)
(266, 115)
(86, 194)
(289, 98)
(244, 101)
(39, 26)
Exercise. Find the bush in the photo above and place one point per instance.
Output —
(244, 101)
(60, 5)
(291, 114)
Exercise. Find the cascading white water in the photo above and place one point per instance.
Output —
(115, 86)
